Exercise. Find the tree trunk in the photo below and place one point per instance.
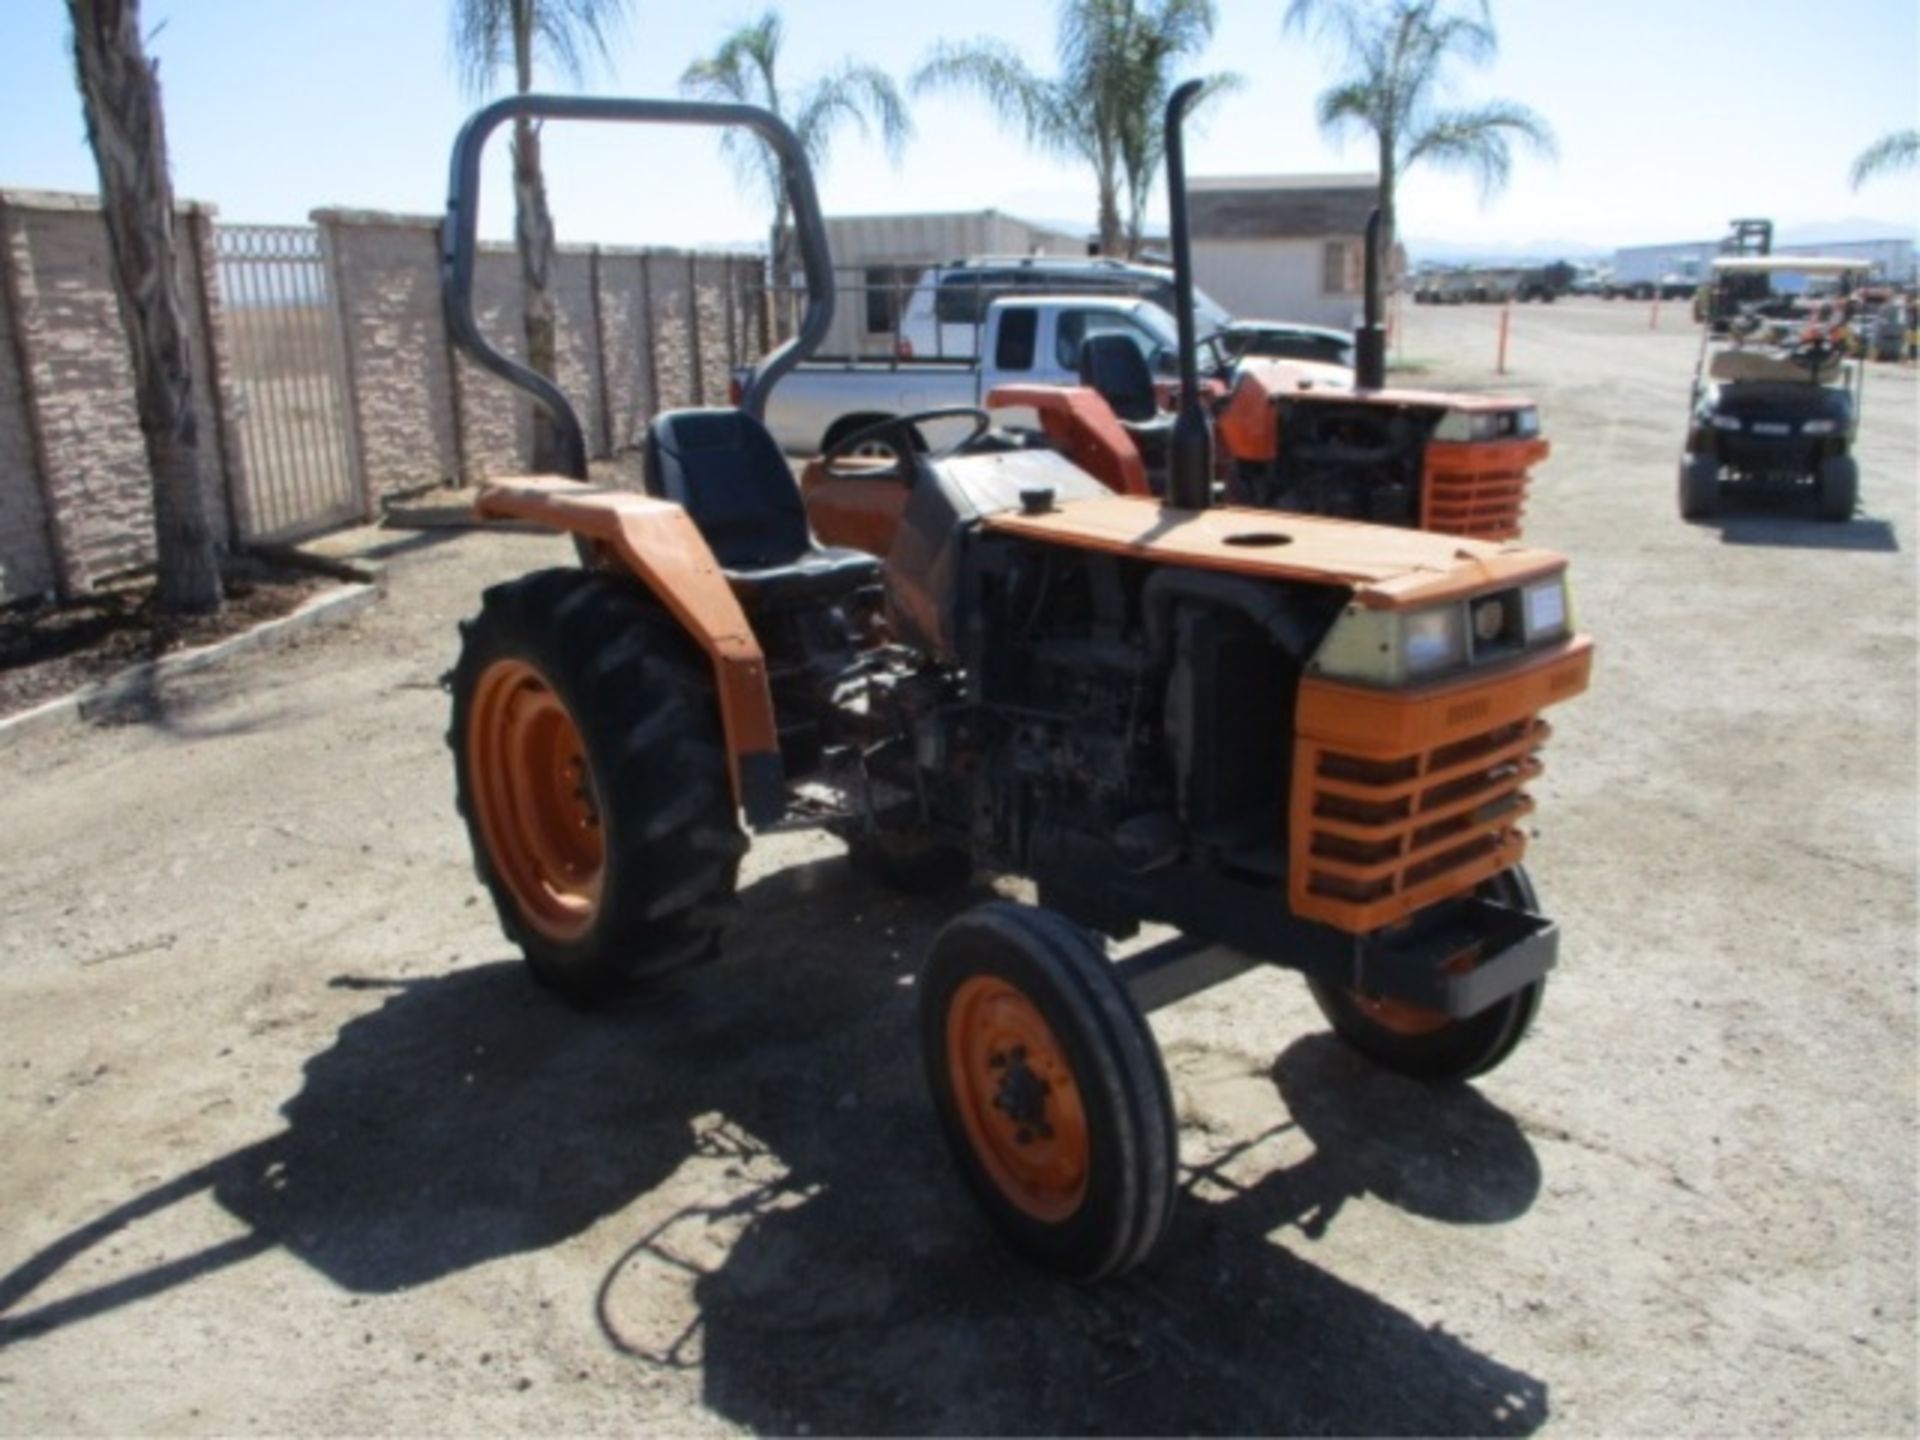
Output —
(121, 91)
(1111, 240)
(780, 273)
(1388, 224)
(533, 239)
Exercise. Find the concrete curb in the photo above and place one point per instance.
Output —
(102, 698)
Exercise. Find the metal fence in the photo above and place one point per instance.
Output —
(289, 381)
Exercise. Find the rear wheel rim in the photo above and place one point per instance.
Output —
(1018, 1100)
(534, 800)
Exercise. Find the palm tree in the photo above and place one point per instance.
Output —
(1898, 150)
(488, 35)
(1115, 68)
(120, 91)
(1397, 53)
(744, 71)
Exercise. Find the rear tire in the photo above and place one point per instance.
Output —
(1427, 1044)
(1699, 486)
(590, 768)
(1049, 1089)
(1839, 481)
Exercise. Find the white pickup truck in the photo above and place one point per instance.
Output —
(1027, 341)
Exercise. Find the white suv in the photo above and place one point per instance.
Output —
(944, 314)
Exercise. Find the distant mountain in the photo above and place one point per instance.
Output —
(1823, 232)
(1454, 252)
(1818, 232)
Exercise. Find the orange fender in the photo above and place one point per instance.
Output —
(657, 541)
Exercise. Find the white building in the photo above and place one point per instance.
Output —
(877, 260)
(1282, 247)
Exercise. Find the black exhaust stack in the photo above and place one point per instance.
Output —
(1370, 340)
(1190, 450)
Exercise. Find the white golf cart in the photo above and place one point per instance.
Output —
(1776, 401)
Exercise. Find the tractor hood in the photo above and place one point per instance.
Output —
(1385, 568)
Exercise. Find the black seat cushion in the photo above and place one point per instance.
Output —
(1113, 365)
(728, 473)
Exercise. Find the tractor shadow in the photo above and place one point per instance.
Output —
(810, 1252)
(862, 1292)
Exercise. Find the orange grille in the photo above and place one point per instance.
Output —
(1478, 490)
(1404, 799)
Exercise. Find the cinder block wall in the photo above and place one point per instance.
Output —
(638, 331)
(75, 497)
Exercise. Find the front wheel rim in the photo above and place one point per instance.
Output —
(1397, 1016)
(534, 800)
(1017, 1098)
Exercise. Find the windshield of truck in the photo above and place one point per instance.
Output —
(1148, 328)
(1208, 315)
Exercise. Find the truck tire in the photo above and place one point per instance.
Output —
(1699, 486)
(590, 768)
(849, 424)
(1839, 484)
(1428, 1044)
(1049, 1089)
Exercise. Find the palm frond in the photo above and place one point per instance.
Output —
(1344, 108)
(568, 34)
(860, 95)
(996, 73)
(1480, 141)
(1899, 150)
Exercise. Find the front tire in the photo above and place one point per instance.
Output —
(590, 768)
(1429, 1044)
(1699, 486)
(1049, 1089)
(1839, 480)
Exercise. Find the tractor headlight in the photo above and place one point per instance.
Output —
(1548, 609)
(1481, 425)
(1398, 647)
(1433, 640)
(1392, 647)
(1819, 427)
(1726, 422)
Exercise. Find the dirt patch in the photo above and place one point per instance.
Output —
(50, 650)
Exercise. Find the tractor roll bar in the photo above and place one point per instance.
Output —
(1190, 450)
(458, 243)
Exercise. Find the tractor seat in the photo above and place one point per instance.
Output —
(724, 468)
(1113, 365)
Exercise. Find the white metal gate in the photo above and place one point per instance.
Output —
(289, 379)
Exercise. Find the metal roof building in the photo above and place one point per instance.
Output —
(1282, 247)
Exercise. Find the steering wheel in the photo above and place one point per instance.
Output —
(899, 435)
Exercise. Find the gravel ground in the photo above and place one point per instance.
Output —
(293, 1145)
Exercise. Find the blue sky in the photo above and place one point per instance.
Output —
(1671, 118)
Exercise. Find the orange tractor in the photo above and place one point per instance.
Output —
(1300, 742)
(1291, 436)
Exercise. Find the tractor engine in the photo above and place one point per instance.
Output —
(1455, 464)
(1122, 718)
(1353, 460)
